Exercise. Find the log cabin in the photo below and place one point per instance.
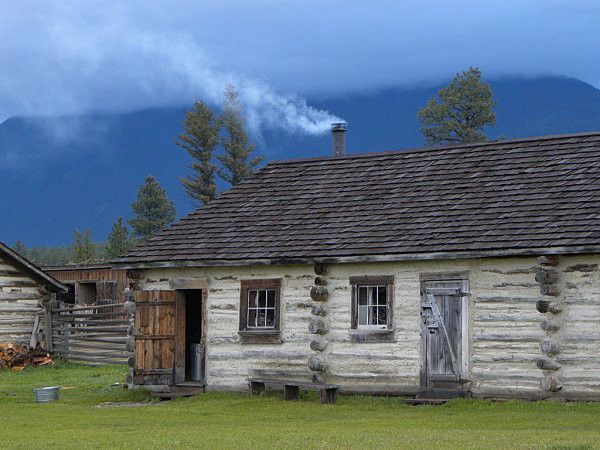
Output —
(470, 269)
(24, 289)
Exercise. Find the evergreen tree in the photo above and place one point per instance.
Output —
(237, 150)
(21, 249)
(35, 255)
(84, 250)
(119, 241)
(464, 107)
(152, 208)
(200, 139)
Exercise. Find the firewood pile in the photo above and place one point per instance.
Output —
(17, 357)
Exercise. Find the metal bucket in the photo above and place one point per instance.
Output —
(46, 394)
(195, 362)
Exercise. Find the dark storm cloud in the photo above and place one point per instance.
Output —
(70, 57)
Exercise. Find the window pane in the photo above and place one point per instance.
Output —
(382, 295)
(252, 317)
(372, 300)
(382, 315)
(271, 317)
(362, 315)
(271, 298)
(262, 298)
(261, 318)
(362, 295)
(372, 315)
(251, 299)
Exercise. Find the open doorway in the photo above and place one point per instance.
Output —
(194, 347)
(69, 296)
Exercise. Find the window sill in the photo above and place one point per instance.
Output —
(361, 335)
(260, 337)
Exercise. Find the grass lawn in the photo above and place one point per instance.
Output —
(83, 419)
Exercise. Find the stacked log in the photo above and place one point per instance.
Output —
(129, 306)
(547, 277)
(16, 358)
(318, 325)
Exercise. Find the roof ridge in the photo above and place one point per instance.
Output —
(411, 150)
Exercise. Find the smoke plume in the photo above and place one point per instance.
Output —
(116, 65)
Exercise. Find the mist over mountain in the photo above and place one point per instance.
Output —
(62, 173)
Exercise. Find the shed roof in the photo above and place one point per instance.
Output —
(13, 258)
(522, 196)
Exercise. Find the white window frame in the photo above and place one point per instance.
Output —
(258, 308)
(373, 288)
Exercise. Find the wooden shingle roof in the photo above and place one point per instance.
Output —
(527, 196)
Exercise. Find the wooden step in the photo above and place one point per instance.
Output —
(426, 401)
(189, 389)
(179, 391)
(443, 394)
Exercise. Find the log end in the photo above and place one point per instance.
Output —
(317, 364)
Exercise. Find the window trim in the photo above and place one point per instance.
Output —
(251, 334)
(370, 280)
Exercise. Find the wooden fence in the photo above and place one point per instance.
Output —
(87, 334)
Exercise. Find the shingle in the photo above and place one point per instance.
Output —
(529, 193)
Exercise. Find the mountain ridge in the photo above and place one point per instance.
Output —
(59, 174)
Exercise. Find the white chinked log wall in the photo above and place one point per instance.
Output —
(21, 298)
(504, 327)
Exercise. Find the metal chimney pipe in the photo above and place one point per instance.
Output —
(338, 131)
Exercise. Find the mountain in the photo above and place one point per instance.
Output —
(62, 173)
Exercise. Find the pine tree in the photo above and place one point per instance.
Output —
(200, 139)
(152, 209)
(464, 108)
(35, 255)
(84, 250)
(119, 241)
(21, 249)
(237, 150)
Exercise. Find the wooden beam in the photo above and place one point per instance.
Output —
(188, 283)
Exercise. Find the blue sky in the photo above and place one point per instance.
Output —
(68, 57)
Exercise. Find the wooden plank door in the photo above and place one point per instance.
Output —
(155, 337)
(442, 334)
(106, 292)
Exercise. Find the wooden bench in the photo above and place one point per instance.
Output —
(291, 389)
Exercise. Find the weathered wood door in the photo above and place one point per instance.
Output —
(106, 292)
(155, 337)
(442, 313)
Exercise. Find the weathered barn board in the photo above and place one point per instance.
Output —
(92, 282)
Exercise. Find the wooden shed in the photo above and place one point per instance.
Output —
(24, 288)
(471, 269)
(90, 283)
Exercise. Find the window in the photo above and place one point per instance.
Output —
(259, 310)
(372, 302)
(372, 306)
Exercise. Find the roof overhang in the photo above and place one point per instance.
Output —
(397, 257)
(31, 269)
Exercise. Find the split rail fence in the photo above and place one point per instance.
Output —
(87, 334)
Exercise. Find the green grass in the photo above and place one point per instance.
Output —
(226, 420)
